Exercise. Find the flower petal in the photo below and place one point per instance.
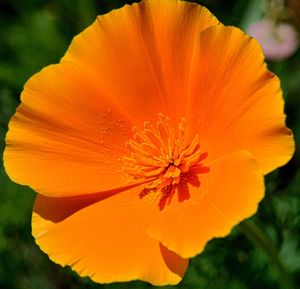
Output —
(67, 136)
(105, 238)
(141, 54)
(235, 102)
(69, 133)
(217, 201)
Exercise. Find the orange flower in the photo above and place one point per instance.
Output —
(148, 139)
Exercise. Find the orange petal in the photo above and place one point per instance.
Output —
(216, 202)
(69, 132)
(105, 238)
(141, 55)
(235, 102)
(67, 136)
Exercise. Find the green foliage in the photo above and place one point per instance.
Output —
(36, 33)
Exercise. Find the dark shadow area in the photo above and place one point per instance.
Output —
(175, 263)
(58, 209)
(167, 193)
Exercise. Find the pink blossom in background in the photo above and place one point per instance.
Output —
(278, 40)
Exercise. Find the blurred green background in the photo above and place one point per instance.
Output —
(36, 33)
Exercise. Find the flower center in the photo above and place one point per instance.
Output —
(160, 157)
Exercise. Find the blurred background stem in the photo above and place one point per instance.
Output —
(263, 242)
(253, 13)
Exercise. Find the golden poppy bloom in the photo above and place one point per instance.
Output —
(149, 138)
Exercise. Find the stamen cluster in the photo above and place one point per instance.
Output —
(159, 154)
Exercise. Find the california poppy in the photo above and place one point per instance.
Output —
(149, 138)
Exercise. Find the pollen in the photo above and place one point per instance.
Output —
(160, 156)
